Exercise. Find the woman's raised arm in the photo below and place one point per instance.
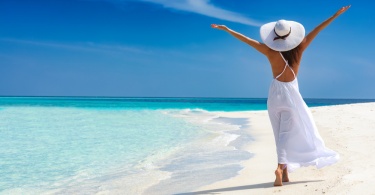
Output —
(308, 39)
(262, 48)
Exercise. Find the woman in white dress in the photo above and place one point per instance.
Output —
(298, 142)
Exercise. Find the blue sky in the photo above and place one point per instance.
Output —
(166, 48)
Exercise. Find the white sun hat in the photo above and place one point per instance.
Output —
(282, 35)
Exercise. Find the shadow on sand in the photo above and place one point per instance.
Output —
(247, 187)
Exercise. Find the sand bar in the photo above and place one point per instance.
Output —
(347, 129)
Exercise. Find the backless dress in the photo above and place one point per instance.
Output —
(298, 142)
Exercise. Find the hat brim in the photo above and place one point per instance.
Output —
(296, 36)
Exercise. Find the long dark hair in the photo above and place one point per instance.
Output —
(292, 55)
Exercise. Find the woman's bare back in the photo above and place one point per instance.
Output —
(278, 65)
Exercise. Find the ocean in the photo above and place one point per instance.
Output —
(87, 145)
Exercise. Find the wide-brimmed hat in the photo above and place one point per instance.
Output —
(282, 35)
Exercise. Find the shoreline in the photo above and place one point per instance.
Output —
(346, 129)
(237, 155)
(193, 165)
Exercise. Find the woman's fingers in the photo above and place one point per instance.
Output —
(220, 27)
(342, 10)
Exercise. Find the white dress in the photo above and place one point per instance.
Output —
(298, 142)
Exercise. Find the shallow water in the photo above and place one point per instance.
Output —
(74, 150)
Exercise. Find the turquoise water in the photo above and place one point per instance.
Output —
(117, 145)
(209, 104)
(42, 146)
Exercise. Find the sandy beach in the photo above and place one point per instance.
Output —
(347, 129)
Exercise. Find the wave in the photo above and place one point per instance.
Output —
(219, 152)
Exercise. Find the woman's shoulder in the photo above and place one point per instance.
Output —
(272, 54)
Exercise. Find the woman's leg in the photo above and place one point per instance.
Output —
(279, 175)
(285, 175)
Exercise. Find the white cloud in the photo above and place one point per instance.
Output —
(204, 7)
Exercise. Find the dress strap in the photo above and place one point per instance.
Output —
(281, 72)
(286, 64)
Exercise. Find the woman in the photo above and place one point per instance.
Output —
(297, 139)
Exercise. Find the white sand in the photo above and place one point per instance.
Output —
(347, 129)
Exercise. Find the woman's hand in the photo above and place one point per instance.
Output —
(342, 10)
(220, 27)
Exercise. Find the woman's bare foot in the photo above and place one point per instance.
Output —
(279, 177)
(285, 175)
